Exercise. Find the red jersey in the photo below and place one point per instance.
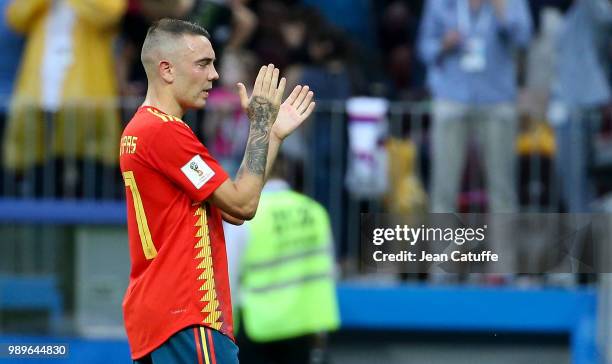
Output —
(177, 248)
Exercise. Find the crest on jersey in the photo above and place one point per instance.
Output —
(197, 171)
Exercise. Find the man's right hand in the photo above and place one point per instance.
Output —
(239, 199)
(263, 105)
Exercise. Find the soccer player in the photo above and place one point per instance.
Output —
(177, 306)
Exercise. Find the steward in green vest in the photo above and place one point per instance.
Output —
(287, 270)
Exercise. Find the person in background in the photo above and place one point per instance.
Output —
(397, 33)
(268, 41)
(12, 46)
(284, 255)
(328, 73)
(580, 89)
(63, 124)
(230, 22)
(468, 47)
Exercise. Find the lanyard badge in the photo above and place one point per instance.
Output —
(473, 55)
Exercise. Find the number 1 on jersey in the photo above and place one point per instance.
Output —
(141, 219)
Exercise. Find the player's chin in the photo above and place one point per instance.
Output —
(198, 103)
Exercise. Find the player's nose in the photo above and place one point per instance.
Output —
(213, 76)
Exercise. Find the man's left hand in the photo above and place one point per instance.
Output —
(296, 108)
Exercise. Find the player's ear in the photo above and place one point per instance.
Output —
(166, 71)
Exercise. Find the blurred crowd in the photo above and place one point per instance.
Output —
(504, 80)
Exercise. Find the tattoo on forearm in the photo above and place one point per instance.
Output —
(261, 114)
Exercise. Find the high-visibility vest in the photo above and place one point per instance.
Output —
(287, 279)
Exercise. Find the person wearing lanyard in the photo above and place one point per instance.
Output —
(468, 47)
(579, 91)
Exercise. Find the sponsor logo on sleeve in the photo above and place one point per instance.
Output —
(197, 171)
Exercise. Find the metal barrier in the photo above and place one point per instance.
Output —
(63, 167)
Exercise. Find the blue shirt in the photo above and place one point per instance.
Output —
(495, 80)
(582, 79)
(11, 45)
